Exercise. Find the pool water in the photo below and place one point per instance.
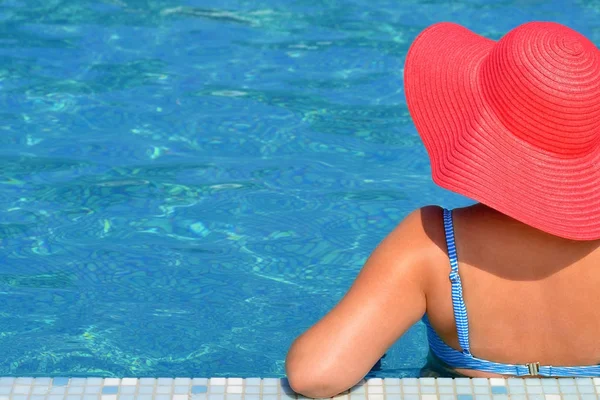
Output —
(186, 188)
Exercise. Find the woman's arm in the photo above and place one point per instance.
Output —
(385, 300)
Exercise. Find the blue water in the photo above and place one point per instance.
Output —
(186, 187)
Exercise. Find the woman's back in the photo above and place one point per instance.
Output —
(514, 125)
(530, 296)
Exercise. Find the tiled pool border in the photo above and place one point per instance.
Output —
(278, 389)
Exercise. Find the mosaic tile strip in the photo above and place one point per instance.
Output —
(64, 388)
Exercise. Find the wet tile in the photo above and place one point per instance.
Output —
(499, 390)
(110, 390)
(60, 381)
(196, 389)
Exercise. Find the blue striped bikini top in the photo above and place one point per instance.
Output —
(464, 359)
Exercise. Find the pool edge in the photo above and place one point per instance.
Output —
(57, 388)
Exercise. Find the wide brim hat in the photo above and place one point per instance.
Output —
(513, 124)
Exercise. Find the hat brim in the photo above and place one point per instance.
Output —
(472, 152)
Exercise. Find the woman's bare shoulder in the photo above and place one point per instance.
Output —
(425, 225)
(421, 236)
(428, 225)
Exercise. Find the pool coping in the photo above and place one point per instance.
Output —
(218, 388)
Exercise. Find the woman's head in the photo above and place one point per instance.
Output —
(514, 124)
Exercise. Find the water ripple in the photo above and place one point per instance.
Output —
(181, 181)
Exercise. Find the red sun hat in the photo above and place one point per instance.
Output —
(513, 124)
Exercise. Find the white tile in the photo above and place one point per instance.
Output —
(518, 397)
(357, 389)
(429, 397)
(553, 397)
(533, 382)
(375, 397)
(269, 390)
(217, 381)
(375, 381)
(40, 390)
(481, 390)
(112, 382)
(252, 390)
(586, 390)
(125, 390)
(462, 382)
(129, 381)
(21, 390)
(235, 389)
(235, 381)
(392, 389)
(375, 389)
(446, 389)
(163, 390)
(549, 383)
(180, 397)
(465, 390)
(410, 389)
(566, 382)
(551, 390)
(109, 397)
(498, 381)
(534, 390)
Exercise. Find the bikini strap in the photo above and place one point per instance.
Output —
(458, 303)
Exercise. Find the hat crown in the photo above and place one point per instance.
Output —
(542, 81)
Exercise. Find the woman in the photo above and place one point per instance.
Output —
(508, 286)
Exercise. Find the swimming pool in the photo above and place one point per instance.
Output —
(186, 189)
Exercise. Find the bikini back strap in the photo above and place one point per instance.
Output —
(458, 303)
